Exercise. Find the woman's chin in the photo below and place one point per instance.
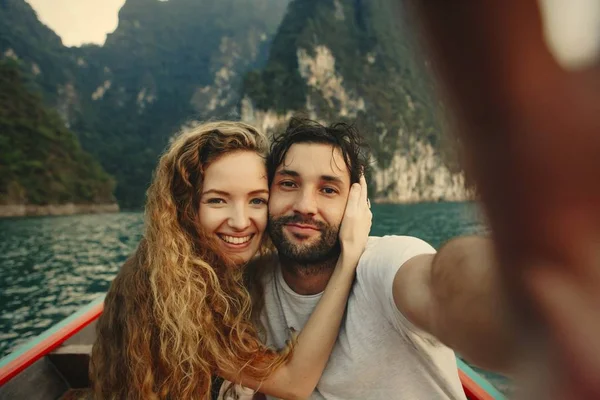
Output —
(240, 257)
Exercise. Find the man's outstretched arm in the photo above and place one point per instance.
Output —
(530, 128)
(454, 295)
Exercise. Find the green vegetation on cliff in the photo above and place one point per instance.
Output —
(376, 59)
(42, 161)
(166, 63)
(39, 49)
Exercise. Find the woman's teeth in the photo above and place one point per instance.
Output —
(234, 239)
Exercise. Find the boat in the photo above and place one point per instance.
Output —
(54, 365)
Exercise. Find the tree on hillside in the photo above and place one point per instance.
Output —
(42, 161)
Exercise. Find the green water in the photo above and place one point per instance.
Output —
(51, 266)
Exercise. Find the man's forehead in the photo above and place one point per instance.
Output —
(318, 158)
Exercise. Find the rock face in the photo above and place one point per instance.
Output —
(346, 60)
(418, 175)
(325, 83)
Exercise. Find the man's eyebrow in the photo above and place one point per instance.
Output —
(215, 191)
(331, 178)
(288, 172)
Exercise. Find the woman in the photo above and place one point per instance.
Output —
(179, 311)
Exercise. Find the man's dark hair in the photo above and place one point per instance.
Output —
(340, 135)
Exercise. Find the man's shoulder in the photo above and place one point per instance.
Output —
(395, 246)
(383, 256)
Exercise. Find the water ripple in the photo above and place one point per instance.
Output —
(51, 266)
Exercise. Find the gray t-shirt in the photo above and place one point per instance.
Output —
(378, 354)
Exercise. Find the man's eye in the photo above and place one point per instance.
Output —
(215, 200)
(328, 190)
(287, 184)
(258, 201)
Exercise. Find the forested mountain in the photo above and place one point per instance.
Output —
(168, 62)
(42, 161)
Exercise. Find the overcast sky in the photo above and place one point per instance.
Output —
(79, 21)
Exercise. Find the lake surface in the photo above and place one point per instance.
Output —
(51, 266)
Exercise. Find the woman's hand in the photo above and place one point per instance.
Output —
(356, 224)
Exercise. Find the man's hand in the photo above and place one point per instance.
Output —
(531, 132)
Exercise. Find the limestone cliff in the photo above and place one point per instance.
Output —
(349, 60)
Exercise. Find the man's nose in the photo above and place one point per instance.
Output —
(306, 203)
(239, 219)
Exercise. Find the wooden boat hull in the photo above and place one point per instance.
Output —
(54, 365)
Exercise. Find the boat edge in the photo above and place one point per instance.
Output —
(476, 387)
(39, 346)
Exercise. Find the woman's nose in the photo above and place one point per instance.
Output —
(239, 219)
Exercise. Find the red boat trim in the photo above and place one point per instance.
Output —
(472, 390)
(476, 387)
(32, 351)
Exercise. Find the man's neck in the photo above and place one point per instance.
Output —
(307, 280)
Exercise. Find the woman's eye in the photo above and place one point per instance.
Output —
(258, 201)
(215, 201)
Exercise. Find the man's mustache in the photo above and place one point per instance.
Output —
(297, 219)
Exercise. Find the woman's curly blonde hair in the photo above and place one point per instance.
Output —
(179, 312)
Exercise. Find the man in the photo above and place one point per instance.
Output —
(408, 304)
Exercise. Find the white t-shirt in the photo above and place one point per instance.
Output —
(378, 354)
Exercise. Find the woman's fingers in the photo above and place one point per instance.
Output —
(364, 190)
(364, 201)
(354, 199)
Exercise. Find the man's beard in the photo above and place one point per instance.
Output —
(310, 258)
